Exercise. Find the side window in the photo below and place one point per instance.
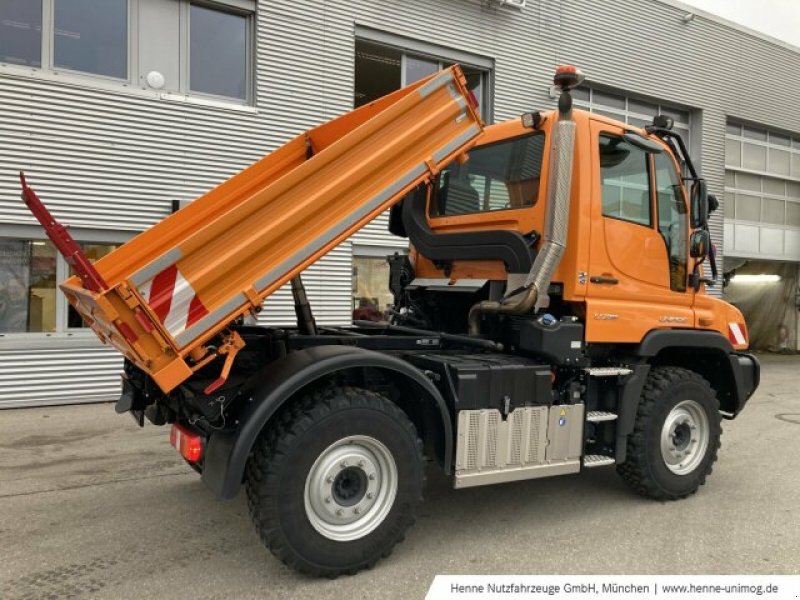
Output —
(500, 176)
(27, 286)
(624, 176)
(92, 37)
(672, 219)
(21, 32)
(217, 52)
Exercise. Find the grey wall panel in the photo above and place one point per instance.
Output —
(84, 372)
(111, 160)
(328, 287)
(159, 47)
(377, 233)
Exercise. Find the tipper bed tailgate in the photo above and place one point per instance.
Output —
(172, 288)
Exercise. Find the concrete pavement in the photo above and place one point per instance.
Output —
(93, 507)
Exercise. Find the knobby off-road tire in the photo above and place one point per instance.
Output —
(676, 436)
(334, 483)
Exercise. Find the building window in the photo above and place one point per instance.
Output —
(27, 286)
(631, 110)
(625, 181)
(418, 68)
(218, 52)
(500, 176)
(91, 36)
(771, 153)
(371, 295)
(30, 301)
(377, 72)
(381, 69)
(21, 32)
(762, 191)
(170, 46)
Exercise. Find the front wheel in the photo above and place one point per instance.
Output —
(676, 436)
(333, 485)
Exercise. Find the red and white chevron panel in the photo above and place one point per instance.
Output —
(737, 334)
(173, 299)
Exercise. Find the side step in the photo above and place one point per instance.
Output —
(597, 460)
(599, 416)
(608, 371)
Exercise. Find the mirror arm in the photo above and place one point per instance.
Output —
(712, 260)
(694, 279)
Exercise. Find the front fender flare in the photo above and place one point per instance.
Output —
(265, 392)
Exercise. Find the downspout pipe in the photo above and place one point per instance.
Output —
(533, 293)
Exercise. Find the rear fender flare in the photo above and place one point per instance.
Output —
(265, 392)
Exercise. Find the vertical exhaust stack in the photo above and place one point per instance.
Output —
(559, 186)
(533, 294)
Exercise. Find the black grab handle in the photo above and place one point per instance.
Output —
(600, 279)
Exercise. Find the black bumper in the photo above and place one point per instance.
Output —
(746, 376)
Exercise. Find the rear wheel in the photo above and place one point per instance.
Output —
(676, 436)
(333, 485)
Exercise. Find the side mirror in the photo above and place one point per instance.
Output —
(699, 203)
(699, 243)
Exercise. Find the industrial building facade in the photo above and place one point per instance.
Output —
(122, 109)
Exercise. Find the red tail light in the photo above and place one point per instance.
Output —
(189, 444)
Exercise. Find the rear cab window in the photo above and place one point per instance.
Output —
(500, 176)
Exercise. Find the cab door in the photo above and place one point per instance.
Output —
(639, 241)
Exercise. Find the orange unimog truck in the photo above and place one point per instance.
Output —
(551, 316)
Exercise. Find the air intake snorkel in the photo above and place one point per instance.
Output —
(533, 293)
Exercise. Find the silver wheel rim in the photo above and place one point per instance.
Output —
(684, 437)
(350, 488)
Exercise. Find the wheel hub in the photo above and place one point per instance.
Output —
(350, 488)
(682, 436)
(685, 437)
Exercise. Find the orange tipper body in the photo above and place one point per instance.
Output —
(178, 284)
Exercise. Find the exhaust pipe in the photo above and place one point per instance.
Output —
(306, 324)
(533, 294)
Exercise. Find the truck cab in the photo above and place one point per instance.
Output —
(627, 261)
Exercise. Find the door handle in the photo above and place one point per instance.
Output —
(603, 279)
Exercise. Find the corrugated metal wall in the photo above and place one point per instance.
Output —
(114, 159)
(63, 374)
